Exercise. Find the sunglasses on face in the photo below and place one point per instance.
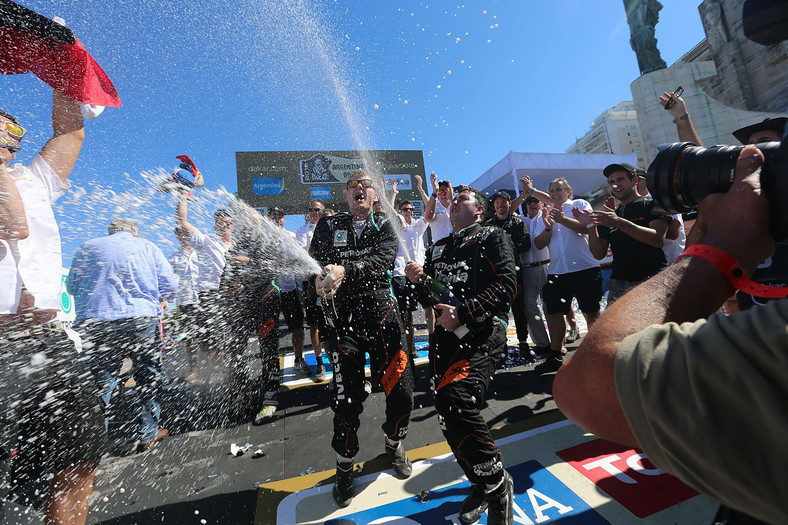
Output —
(406, 209)
(314, 209)
(11, 149)
(441, 191)
(15, 130)
(365, 183)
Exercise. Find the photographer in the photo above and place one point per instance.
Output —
(693, 409)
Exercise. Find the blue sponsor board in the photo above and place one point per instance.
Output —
(539, 497)
(320, 192)
(268, 186)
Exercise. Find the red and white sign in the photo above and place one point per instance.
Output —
(627, 476)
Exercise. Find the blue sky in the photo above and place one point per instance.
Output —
(465, 83)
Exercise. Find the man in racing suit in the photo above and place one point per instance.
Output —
(357, 251)
(477, 264)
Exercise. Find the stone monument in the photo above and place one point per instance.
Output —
(642, 17)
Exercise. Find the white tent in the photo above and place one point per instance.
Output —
(583, 171)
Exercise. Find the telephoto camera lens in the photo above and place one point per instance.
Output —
(683, 173)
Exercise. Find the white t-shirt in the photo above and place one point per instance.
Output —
(412, 246)
(304, 235)
(674, 247)
(35, 261)
(287, 282)
(569, 251)
(441, 226)
(534, 254)
(187, 268)
(211, 258)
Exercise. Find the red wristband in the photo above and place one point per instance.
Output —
(734, 273)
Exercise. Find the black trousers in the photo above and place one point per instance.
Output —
(370, 324)
(518, 311)
(461, 372)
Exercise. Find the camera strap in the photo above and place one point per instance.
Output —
(733, 271)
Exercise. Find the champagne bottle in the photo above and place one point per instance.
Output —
(439, 293)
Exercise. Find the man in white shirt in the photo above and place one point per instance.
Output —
(573, 271)
(49, 406)
(186, 266)
(211, 251)
(314, 314)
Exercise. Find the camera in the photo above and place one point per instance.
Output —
(682, 174)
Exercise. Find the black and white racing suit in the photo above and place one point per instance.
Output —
(366, 319)
(477, 264)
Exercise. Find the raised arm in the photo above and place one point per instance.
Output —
(62, 150)
(182, 213)
(681, 118)
(429, 207)
(424, 198)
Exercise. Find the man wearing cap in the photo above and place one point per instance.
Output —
(635, 231)
(515, 228)
(49, 407)
(534, 267)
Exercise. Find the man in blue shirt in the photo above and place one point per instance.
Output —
(121, 284)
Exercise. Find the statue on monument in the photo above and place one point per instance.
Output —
(642, 17)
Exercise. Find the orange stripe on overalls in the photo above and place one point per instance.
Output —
(457, 371)
(394, 371)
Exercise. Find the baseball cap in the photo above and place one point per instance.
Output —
(500, 193)
(276, 210)
(777, 124)
(629, 168)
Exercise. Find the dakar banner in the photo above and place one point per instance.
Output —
(290, 179)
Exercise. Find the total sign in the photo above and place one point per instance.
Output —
(539, 497)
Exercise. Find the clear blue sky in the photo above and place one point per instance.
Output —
(465, 83)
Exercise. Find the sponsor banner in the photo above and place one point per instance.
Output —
(539, 497)
(268, 186)
(329, 168)
(627, 476)
(289, 179)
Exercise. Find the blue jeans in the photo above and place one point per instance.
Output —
(107, 343)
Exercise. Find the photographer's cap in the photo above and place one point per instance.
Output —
(777, 124)
(276, 211)
(629, 168)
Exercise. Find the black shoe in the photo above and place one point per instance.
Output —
(474, 506)
(542, 351)
(526, 354)
(551, 364)
(343, 486)
(499, 502)
(399, 460)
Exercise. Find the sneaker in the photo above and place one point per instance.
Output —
(474, 506)
(399, 460)
(320, 373)
(551, 364)
(343, 486)
(301, 367)
(526, 353)
(270, 403)
(499, 502)
(573, 335)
